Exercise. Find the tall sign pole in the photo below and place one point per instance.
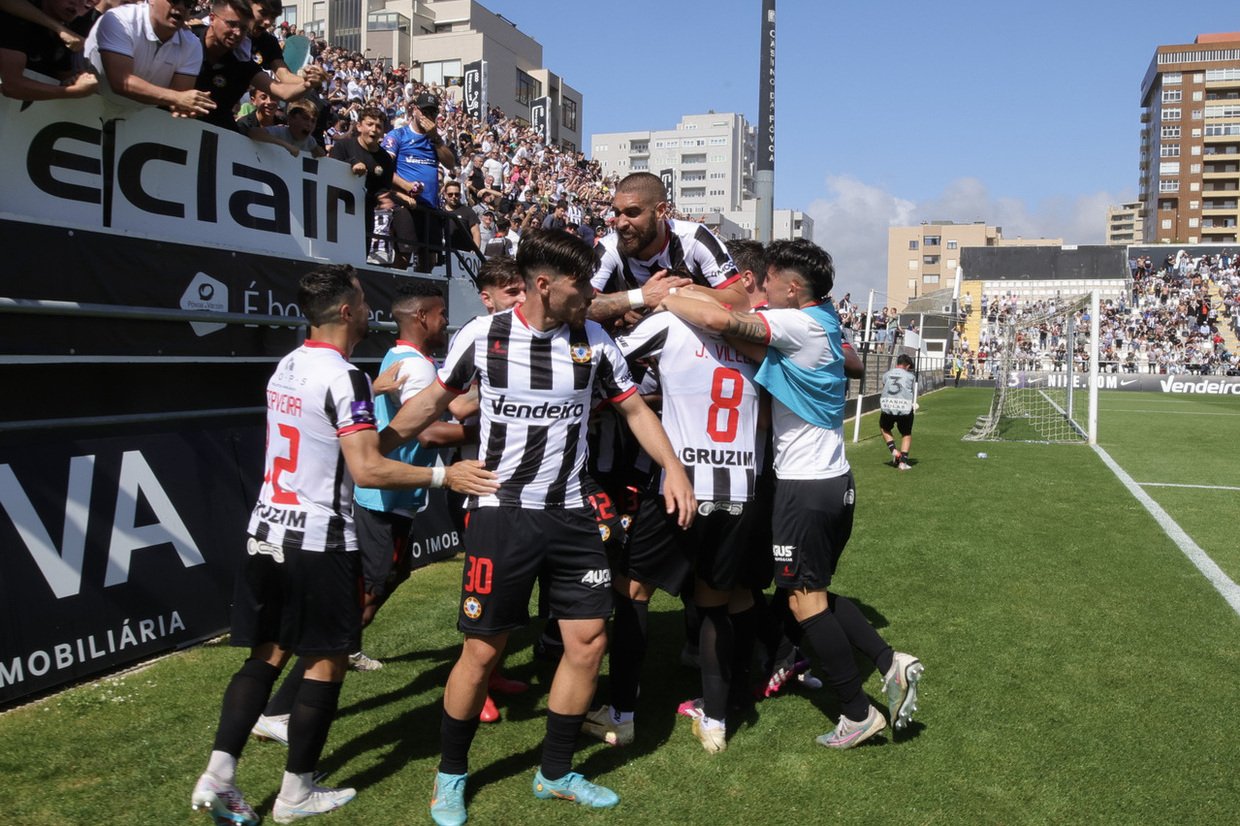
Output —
(764, 168)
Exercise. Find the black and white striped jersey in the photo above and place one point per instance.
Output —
(689, 245)
(535, 395)
(710, 404)
(314, 398)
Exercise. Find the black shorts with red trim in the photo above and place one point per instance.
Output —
(307, 602)
(810, 525)
(507, 548)
(383, 541)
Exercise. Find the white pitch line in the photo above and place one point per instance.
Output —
(1175, 485)
(1222, 583)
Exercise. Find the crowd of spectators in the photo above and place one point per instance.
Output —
(230, 72)
(1172, 320)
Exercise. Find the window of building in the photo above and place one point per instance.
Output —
(1166, 223)
(1170, 133)
(912, 283)
(952, 243)
(1169, 150)
(1197, 114)
(913, 265)
(438, 71)
(930, 259)
(288, 15)
(1194, 168)
(1172, 95)
(930, 240)
(1194, 186)
(1171, 78)
(719, 141)
(913, 244)
(1219, 74)
(1172, 113)
(1197, 96)
(951, 263)
(1169, 168)
(929, 279)
(1193, 222)
(568, 114)
(1196, 132)
(528, 89)
(1168, 186)
(1194, 150)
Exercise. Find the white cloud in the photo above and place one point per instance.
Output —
(851, 221)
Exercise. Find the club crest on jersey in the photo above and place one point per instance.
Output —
(626, 521)
(580, 352)
(604, 532)
(471, 608)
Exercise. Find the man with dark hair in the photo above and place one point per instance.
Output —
(225, 75)
(896, 406)
(463, 222)
(26, 45)
(750, 259)
(500, 285)
(804, 364)
(364, 153)
(634, 261)
(557, 219)
(302, 549)
(540, 366)
(143, 53)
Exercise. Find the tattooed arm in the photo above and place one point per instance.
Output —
(716, 319)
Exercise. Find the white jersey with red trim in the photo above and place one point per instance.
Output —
(535, 394)
(689, 245)
(314, 398)
(710, 404)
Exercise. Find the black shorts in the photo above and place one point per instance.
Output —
(655, 554)
(721, 544)
(613, 515)
(507, 548)
(310, 603)
(383, 541)
(810, 525)
(905, 423)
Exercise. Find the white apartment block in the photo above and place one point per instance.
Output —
(710, 157)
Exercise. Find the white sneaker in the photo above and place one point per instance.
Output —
(320, 801)
(361, 662)
(900, 687)
(848, 733)
(271, 728)
(713, 739)
(223, 801)
(599, 723)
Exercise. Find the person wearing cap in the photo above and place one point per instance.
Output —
(419, 150)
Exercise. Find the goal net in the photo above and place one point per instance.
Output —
(1044, 362)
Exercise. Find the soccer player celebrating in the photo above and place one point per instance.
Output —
(298, 592)
(804, 369)
(539, 365)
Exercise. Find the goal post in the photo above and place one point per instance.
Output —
(1045, 368)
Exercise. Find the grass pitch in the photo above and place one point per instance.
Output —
(1078, 668)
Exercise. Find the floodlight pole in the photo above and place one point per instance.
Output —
(1095, 330)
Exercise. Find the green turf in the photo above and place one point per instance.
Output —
(1078, 670)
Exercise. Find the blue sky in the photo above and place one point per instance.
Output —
(1021, 115)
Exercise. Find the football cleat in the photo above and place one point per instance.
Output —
(575, 788)
(900, 687)
(448, 799)
(848, 733)
(223, 801)
(601, 724)
(320, 801)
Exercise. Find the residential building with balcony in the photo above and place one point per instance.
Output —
(1125, 223)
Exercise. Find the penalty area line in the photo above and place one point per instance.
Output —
(1222, 583)
(1176, 485)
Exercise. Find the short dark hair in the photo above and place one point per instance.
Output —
(241, 7)
(271, 8)
(904, 361)
(374, 113)
(409, 294)
(749, 255)
(498, 271)
(808, 260)
(560, 252)
(321, 292)
(645, 184)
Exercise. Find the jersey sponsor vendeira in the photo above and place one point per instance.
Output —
(804, 450)
(535, 394)
(418, 371)
(314, 399)
(710, 404)
(689, 245)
